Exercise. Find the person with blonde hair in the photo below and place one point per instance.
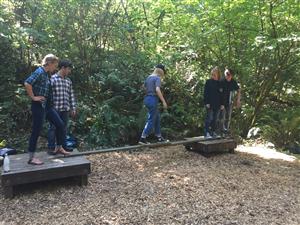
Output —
(152, 87)
(213, 103)
(38, 89)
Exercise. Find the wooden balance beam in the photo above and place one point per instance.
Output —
(53, 168)
(76, 165)
(228, 143)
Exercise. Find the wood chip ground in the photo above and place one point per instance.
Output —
(165, 186)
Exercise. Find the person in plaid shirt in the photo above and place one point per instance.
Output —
(63, 100)
(38, 88)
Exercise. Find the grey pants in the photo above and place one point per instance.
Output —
(225, 117)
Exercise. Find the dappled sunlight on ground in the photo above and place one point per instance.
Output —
(265, 152)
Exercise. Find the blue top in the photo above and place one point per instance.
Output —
(40, 82)
(151, 83)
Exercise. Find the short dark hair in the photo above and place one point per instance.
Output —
(161, 66)
(65, 63)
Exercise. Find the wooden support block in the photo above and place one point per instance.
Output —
(53, 168)
(83, 180)
(8, 191)
(213, 145)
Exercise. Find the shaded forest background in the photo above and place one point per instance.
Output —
(114, 45)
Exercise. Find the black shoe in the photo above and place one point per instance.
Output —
(51, 151)
(143, 141)
(161, 139)
(68, 149)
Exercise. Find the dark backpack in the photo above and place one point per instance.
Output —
(8, 151)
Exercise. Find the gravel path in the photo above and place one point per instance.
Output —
(166, 186)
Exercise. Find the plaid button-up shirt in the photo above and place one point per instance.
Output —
(39, 80)
(63, 94)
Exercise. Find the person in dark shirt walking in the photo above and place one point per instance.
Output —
(213, 103)
(229, 87)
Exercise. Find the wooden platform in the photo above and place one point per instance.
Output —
(212, 145)
(53, 168)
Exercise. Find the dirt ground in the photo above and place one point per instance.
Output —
(166, 186)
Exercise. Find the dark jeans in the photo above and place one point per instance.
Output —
(211, 120)
(153, 120)
(52, 132)
(38, 115)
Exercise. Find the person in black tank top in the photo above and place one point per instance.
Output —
(229, 87)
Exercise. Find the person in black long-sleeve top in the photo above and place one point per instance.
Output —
(229, 86)
(213, 102)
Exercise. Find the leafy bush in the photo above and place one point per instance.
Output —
(282, 127)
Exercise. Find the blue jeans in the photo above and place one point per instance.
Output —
(211, 120)
(52, 132)
(38, 116)
(153, 119)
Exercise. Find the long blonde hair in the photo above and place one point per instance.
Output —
(50, 58)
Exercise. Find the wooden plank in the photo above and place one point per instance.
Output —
(53, 168)
(216, 142)
(43, 175)
(213, 146)
(136, 147)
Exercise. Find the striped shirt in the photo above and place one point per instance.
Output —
(63, 94)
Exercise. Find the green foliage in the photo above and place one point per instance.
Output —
(282, 127)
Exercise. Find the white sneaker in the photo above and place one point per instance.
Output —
(207, 136)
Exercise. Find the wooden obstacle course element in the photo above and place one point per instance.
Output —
(53, 168)
(137, 147)
(217, 145)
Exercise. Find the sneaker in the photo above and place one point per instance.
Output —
(226, 133)
(215, 135)
(207, 136)
(161, 139)
(143, 141)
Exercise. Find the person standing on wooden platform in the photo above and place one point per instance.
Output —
(152, 87)
(229, 86)
(38, 88)
(213, 103)
(63, 101)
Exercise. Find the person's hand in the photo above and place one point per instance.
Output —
(73, 113)
(207, 106)
(165, 106)
(238, 103)
(38, 98)
(222, 107)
